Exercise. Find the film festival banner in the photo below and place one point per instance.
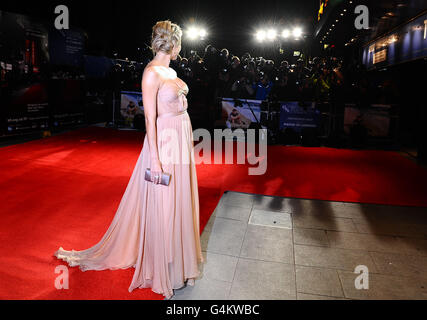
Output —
(28, 110)
(67, 90)
(66, 47)
(24, 55)
(297, 117)
(28, 47)
(239, 113)
(67, 102)
(130, 107)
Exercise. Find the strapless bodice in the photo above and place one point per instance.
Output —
(172, 96)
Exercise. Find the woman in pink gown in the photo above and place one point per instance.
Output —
(156, 227)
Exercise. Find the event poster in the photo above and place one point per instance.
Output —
(297, 117)
(241, 113)
(130, 106)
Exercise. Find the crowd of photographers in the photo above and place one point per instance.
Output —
(247, 77)
(217, 74)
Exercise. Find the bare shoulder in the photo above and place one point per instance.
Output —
(162, 71)
(151, 74)
(151, 70)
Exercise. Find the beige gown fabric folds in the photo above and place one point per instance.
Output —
(156, 227)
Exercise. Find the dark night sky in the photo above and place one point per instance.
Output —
(124, 25)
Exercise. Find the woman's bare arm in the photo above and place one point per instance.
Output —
(150, 86)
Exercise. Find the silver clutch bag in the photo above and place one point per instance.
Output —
(166, 177)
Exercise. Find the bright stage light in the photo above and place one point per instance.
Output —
(271, 34)
(286, 33)
(202, 33)
(297, 32)
(196, 32)
(260, 35)
(192, 33)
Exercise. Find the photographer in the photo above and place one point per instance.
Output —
(224, 58)
(235, 68)
(213, 60)
(322, 85)
(263, 87)
(280, 88)
(249, 69)
(242, 88)
(185, 72)
(223, 84)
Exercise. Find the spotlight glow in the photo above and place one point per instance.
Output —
(192, 33)
(196, 33)
(271, 34)
(286, 33)
(297, 32)
(260, 35)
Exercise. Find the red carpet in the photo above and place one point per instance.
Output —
(64, 190)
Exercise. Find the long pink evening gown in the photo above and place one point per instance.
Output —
(156, 227)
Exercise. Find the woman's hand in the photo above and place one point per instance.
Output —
(156, 171)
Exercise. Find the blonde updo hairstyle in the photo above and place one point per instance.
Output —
(165, 36)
